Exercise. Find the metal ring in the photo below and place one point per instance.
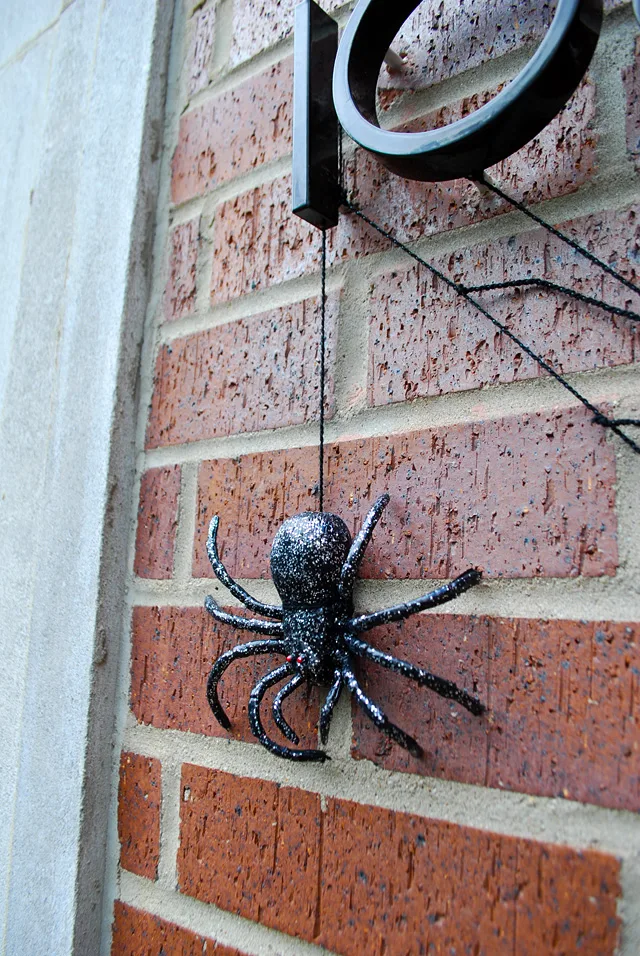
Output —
(466, 147)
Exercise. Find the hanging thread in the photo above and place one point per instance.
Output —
(556, 287)
(488, 184)
(323, 316)
(598, 417)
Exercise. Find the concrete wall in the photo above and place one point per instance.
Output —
(81, 90)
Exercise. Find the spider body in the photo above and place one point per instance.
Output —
(308, 640)
(307, 557)
(314, 564)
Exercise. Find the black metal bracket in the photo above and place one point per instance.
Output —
(316, 173)
(463, 149)
(513, 117)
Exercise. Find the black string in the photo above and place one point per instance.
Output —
(547, 284)
(598, 417)
(484, 181)
(323, 313)
(323, 330)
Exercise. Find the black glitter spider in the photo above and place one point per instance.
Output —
(314, 565)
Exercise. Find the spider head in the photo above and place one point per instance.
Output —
(307, 556)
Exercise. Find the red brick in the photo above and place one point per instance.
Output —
(362, 879)
(411, 354)
(203, 27)
(136, 933)
(563, 706)
(258, 242)
(479, 890)
(236, 131)
(259, 24)
(157, 522)
(522, 496)
(256, 373)
(555, 163)
(180, 293)
(139, 814)
(443, 40)
(631, 80)
(172, 654)
(448, 38)
(251, 847)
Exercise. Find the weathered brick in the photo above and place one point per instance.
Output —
(258, 242)
(157, 522)
(443, 40)
(180, 292)
(139, 814)
(480, 891)
(563, 718)
(173, 651)
(557, 162)
(255, 373)
(136, 933)
(362, 879)
(250, 847)
(525, 495)
(440, 41)
(203, 27)
(412, 354)
(233, 133)
(631, 80)
(259, 24)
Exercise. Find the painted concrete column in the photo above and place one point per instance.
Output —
(81, 91)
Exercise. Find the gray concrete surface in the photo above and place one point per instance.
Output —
(81, 96)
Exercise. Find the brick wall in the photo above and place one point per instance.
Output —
(516, 832)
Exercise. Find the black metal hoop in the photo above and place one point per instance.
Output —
(464, 148)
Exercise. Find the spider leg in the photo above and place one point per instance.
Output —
(220, 666)
(440, 685)
(434, 598)
(257, 729)
(359, 546)
(269, 610)
(378, 716)
(273, 628)
(327, 708)
(277, 707)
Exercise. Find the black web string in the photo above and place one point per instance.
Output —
(547, 284)
(488, 184)
(465, 292)
(323, 316)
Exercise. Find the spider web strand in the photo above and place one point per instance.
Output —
(323, 322)
(556, 287)
(598, 416)
(486, 182)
